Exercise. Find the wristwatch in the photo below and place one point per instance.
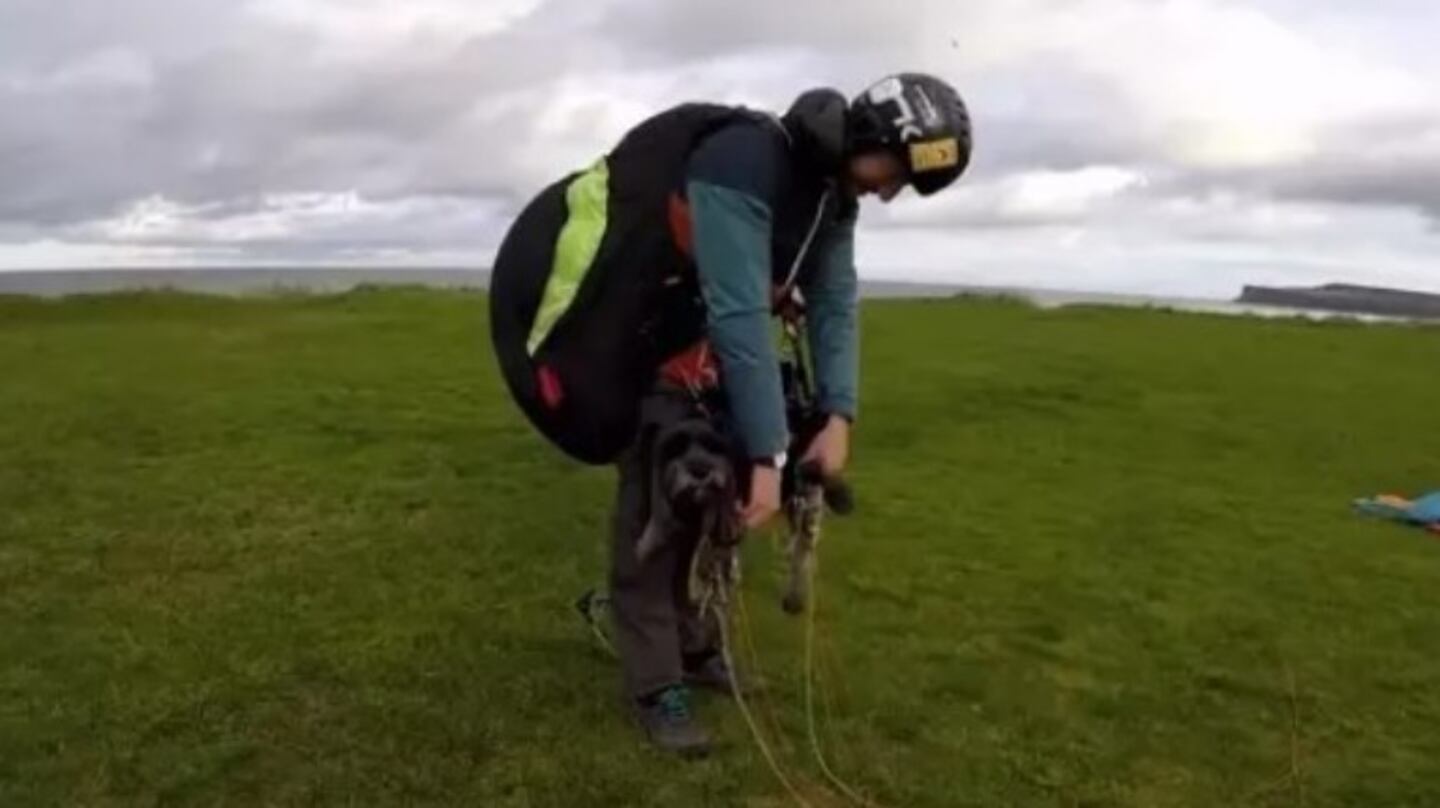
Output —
(775, 462)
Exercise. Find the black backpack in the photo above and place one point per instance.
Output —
(590, 289)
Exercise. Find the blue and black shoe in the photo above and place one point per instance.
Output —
(666, 718)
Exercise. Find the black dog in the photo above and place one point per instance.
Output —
(693, 485)
(692, 496)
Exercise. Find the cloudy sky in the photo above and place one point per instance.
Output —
(1161, 146)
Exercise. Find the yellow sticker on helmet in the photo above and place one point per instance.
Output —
(932, 155)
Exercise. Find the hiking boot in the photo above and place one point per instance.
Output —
(711, 672)
(666, 719)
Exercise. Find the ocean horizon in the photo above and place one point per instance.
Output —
(241, 281)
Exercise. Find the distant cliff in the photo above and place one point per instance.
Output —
(1345, 297)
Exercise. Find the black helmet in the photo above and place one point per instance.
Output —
(921, 120)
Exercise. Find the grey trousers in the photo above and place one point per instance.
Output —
(656, 630)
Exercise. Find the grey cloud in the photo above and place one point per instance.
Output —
(255, 111)
(1406, 185)
(1044, 117)
(702, 30)
(227, 110)
(1384, 164)
(238, 108)
(416, 223)
(1387, 163)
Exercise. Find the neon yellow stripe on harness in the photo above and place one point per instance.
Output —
(586, 197)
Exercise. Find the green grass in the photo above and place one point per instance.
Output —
(302, 550)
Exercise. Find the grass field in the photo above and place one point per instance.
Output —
(303, 551)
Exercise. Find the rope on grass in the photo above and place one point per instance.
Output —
(1293, 775)
(825, 769)
(720, 619)
(747, 634)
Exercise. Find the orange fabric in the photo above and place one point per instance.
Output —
(680, 228)
(694, 368)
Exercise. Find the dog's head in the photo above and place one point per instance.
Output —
(693, 483)
(694, 466)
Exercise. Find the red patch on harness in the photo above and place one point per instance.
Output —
(680, 230)
(552, 392)
(694, 368)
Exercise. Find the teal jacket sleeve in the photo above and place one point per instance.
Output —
(731, 188)
(832, 298)
(732, 252)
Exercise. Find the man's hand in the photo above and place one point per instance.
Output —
(830, 448)
(764, 500)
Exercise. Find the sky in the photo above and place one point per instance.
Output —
(1181, 147)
